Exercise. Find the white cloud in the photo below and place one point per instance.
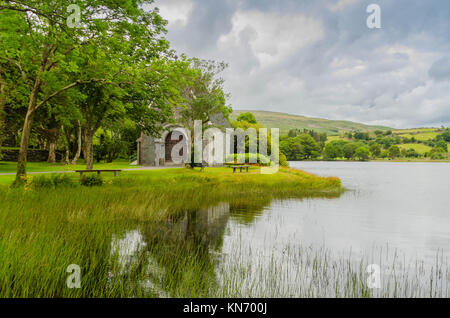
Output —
(177, 12)
(341, 4)
(272, 37)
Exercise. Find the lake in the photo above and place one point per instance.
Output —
(394, 216)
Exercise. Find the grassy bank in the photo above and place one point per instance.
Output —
(44, 230)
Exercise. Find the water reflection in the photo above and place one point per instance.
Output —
(392, 216)
(178, 257)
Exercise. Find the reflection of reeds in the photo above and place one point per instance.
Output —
(43, 231)
(298, 271)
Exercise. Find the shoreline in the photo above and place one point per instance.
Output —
(380, 160)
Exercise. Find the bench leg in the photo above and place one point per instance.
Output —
(81, 174)
(247, 169)
(241, 169)
(115, 173)
(234, 170)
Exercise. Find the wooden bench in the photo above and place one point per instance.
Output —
(197, 165)
(98, 171)
(240, 168)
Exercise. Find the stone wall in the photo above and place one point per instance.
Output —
(32, 155)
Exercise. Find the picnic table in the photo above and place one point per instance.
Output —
(240, 167)
(98, 171)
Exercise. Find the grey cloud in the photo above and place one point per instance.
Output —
(440, 70)
(394, 76)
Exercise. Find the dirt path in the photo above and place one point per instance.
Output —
(128, 169)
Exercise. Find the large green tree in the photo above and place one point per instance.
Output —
(51, 47)
(204, 97)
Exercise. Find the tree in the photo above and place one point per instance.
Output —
(361, 135)
(442, 144)
(292, 133)
(349, 150)
(204, 96)
(375, 149)
(332, 151)
(411, 153)
(47, 51)
(2, 108)
(248, 117)
(362, 153)
(446, 135)
(307, 147)
(394, 151)
(437, 154)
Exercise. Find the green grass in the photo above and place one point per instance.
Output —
(10, 167)
(414, 130)
(44, 230)
(285, 122)
(422, 134)
(419, 148)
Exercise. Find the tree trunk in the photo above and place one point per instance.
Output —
(2, 106)
(52, 152)
(52, 138)
(88, 148)
(66, 135)
(77, 155)
(24, 141)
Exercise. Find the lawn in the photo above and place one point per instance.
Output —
(10, 167)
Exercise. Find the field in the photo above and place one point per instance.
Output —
(419, 148)
(285, 122)
(420, 134)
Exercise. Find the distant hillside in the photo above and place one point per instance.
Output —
(286, 122)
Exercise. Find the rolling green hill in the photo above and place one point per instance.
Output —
(285, 122)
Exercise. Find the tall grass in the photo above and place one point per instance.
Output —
(45, 227)
(160, 233)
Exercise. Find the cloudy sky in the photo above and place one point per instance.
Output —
(318, 57)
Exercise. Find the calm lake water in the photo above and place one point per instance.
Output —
(405, 206)
(395, 215)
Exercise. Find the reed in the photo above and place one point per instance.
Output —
(141, 235)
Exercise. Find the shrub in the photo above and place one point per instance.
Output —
(283, 160)
(362, 153)
(53, 181)
(92, 180)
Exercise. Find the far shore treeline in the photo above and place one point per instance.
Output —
(419, 144)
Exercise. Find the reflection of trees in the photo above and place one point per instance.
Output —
(178, 257)
(245, 211)
(183, 250)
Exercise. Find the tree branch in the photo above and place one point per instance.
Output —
(78, 82)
